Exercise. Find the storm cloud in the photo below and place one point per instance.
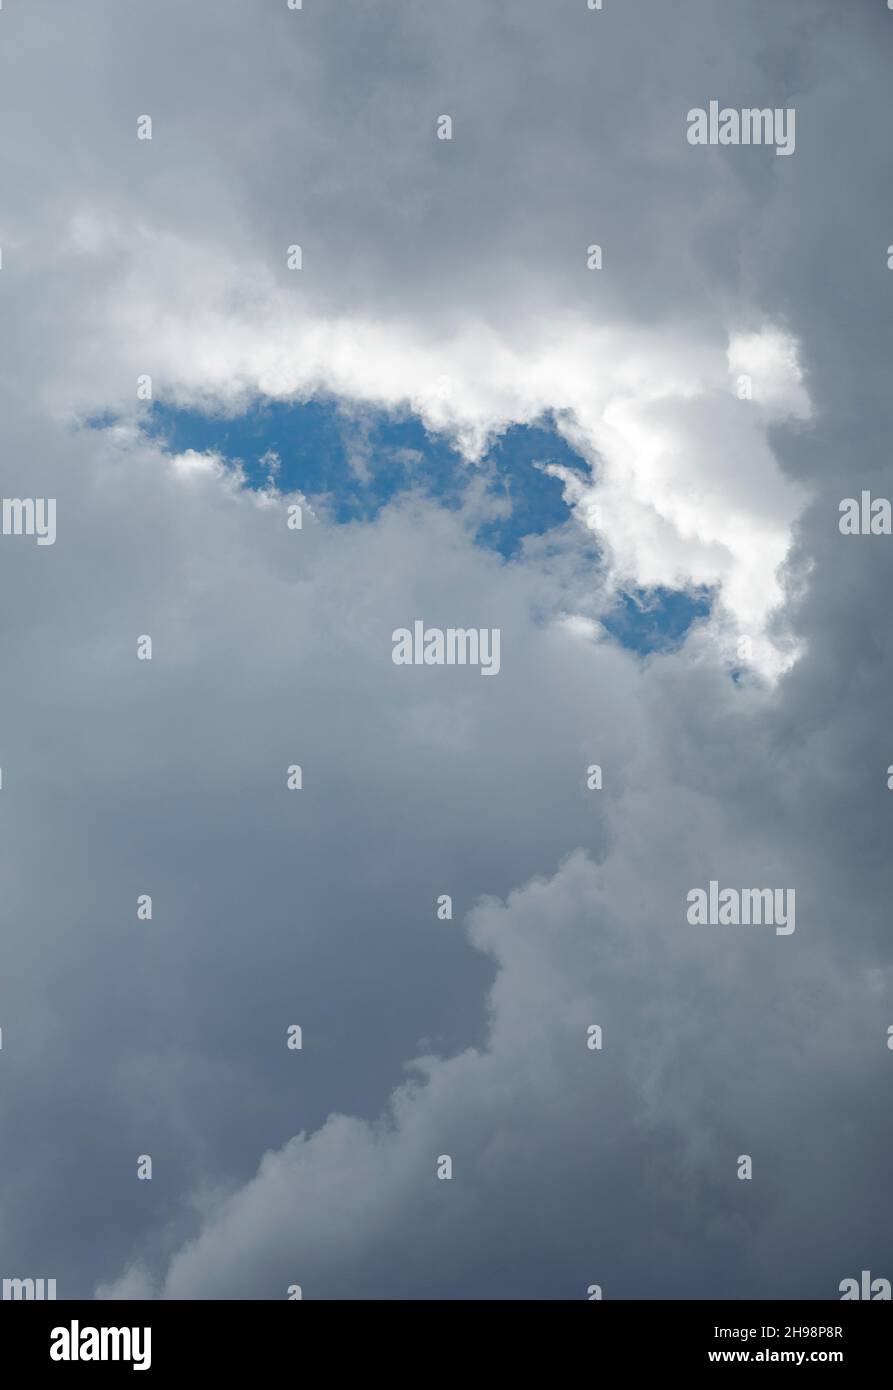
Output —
(722, 381)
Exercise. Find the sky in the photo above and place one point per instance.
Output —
(632, 473)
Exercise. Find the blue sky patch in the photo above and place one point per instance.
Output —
(350, 465)
(656, 619)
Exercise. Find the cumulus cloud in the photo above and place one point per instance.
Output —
(552, 1143)
(448, 279)
(689, 486)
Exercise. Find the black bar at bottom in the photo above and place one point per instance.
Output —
(93, 1338)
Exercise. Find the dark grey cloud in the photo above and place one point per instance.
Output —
(273, 647)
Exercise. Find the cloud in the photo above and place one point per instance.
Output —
(552, 1143)
(450, 280)
(635, 358)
